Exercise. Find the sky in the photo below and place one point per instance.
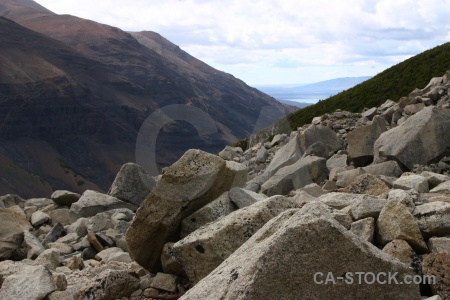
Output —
(269, 42)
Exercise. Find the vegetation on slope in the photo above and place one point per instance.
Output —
(392, 83)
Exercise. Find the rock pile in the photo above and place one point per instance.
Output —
(321, 213)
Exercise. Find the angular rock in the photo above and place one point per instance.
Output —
(12, 226)
(204, 249)
(312, 189)
(11, 200)
(49, 258)
(362, 139)
(39, 218)
(193, 181)
(415, 182)
(422, 139)
(387, 168)
(365, 207)
(438, 265)
(435, 179)
(346, 177)
(370, 113)
(439, 244)
(319, 209)
(92, 203)
(261, 155)
(396, 222)
(402, 251)
(92, 238)
(34, 246)
(433, 218)
(268, 266)
(64, 198)
(243, 198)
(220, 207)
(319, 134)
(229, 153)
(169, 263)
(443, 188)
(61, 215)
(132, 184)
(285, 156)
(165, 282)
(54, 234)
(79, 227)
(337, 160)
(406, 197)
(75, 263)
(340, 200)
(307, 170)
(30, 282)
(364, 229)
(367, 184)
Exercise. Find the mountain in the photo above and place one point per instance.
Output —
(295, 103)
(74, 94)
(392, 84)
(318, 90)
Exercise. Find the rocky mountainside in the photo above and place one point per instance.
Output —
(74, 94)
(352, 206)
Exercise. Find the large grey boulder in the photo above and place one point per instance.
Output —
(412, 181)
(388, 168)
(132, 184)
(307, 170)
(362, 139)
(30, 282)
(228, 153)
(196, 179)
(12, 226)
(218, 208)
(92, 203)
(285, 156)
(64, 198)
(433, 218)
(319, 134)
(203, 250)
(291, 257)
(422, 139)
(443, 188)
(242, 197)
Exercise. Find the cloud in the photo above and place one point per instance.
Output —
(282, 36)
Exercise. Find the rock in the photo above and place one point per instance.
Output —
(340, 200)
(64, 198)
(396, 222)
(415, 182)
(49, 258)
(319, 134)
(204, 249)
(105, 254)
(229, 153)
(169, 263)
(387, 168)
(435, 179)
(346, 177)
(220, 207)
(437, 265)
(402, 251)
(30, 282)
(61, 215)
(312, 189)
(319, 149)
(285, 156)
(132, 184)
(60, 295)
(261, 155)
(92, 238)
(39, 202)
(39, 218)
(9, 200)
(421, 139)
(243, 198)
(337, 160)
(268, 266)
(193, 181)
(54, 234)
(75, 263)
(109, 284)
(307, 170)
(330, 186)
(12, 226)
(79, 227)
(443, 188)
(319, 209)
(165, 282)
(362, 139)
(277, 139)
(89, 253)
(367, 184)
(406, 197)
(412, 109)
(92, 203)
(366, 206)
(439, 244)
(364, 229)
(34, 246)
(433, 218)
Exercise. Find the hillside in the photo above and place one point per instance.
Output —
(391, 84)
(74, 94)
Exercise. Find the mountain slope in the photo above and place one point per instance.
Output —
(391, 84)
(79, 91)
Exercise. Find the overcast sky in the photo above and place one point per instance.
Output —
(285, 41)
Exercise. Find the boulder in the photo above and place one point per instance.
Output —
(406, 197)
(12, 226)
(367, 184)
(307, 170)
(366, 206)
(169, 263)
(402, 251)
(362, 139)
(435, 179)
(54, 234)
(30, 282)
(412, 181)
(285, 156)
(291, 257)
(203, 250)
(165, 282)
(229, 153)
(196, 179)
(38, 218)
(319, 134)
(337, 160)
(396, 222)
(344, 178)
(34, 246)
(11, 200)
(443, 188)
(433, 218)
(319, 209)
(92, 203)
(340, 200)
(243, 198)
(364, 229)
(218, 208)
(439, 244)
(387, 168)
(64, 198)
(49, 258)
(132, 184)
(422, 139)
(438, 265)
(261, 154)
